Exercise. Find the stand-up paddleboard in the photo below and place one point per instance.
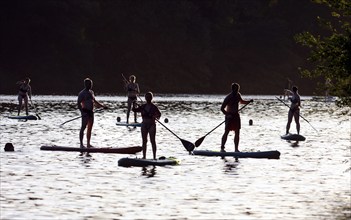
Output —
(122, 150)
(293, 137)
(128, 124)
(138, 162)
(24, 117)
(259, 154)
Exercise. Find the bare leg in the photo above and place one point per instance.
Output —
(135, 117)
(290, 116)
(236, 140)
(144, 137)
(297, 121)
(90, 128)
(152, 133)
(26, 104)
(19, 104)
(82, 129)
(128, 110)
(224, 138)
(81, 133)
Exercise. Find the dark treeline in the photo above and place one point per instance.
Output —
(172, 46)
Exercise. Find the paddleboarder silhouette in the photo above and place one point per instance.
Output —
(86, 102)
(229, 108)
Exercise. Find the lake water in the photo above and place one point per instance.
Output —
(311, 180)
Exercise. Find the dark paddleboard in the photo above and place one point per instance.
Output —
(138, 162)
(122, 150)
(293, 137)
(24, 117)
(259, 154)
(128, 124)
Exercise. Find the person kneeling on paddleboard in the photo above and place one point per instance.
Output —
(229, 108)
(86, 102)
(149, 113)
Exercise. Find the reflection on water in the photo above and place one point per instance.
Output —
(310, 180)
(148, 171)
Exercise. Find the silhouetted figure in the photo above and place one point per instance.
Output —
(294, 111)
(86, 102)
(133, 91)
(149, 114)
(229, 108)
(24, 94)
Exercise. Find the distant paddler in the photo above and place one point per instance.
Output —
(294, 110)
(86, 102)
(132, 92)
(24, 94)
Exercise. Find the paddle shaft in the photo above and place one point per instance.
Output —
(125, 79)
(168, 129)
(35, 108)
(99, 110)
(299, 113)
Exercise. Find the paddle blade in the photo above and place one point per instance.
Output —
(188, 145)
(199, 142)
(38, 116)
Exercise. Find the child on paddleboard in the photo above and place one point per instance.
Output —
(229, 108)
(149, 113)
(86, 102)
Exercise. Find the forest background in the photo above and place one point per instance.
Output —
(172, 46)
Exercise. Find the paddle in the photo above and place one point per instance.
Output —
(35, 108)
(299, 113)
(99, 110)
(125, 79)
(199, 141)
(187, 144)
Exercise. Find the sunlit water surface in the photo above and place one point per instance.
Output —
(311, 180)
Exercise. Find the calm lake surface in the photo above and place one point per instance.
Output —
(311, 180)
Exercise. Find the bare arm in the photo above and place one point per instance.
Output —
(138, 90)
(157, 114)
(98, 104)
(79, 103)
(289, 91)
(30, 92)
(245, 101)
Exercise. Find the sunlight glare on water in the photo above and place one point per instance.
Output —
(310, 180)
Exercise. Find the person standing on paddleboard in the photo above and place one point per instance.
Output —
(230, 108)
(86, 101)
(150, 113)
(24, 94)
(133, 91)
(294, 110)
